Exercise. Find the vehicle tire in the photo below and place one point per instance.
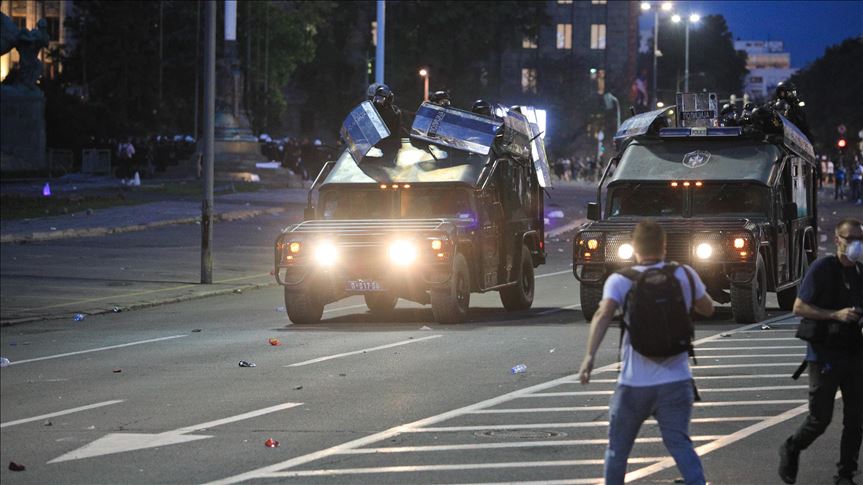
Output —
(380, 304)
(302, 306)
(749, 301)
(786, 297)
(520, 296)
(590, 296)
(450, 304)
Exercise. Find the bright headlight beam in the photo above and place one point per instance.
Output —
(625, 251)
(704, 251)
(402, 253)
(326, 254)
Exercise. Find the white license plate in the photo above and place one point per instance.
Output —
(361, 285)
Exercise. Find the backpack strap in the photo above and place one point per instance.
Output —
(632, 275)
(691, 281)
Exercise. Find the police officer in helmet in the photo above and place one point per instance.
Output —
(786, 103)
(383, 99)
(482, 107)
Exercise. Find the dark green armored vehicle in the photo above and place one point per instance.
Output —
(452, 209)
(738, 204)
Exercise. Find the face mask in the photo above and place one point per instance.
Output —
(854, 250)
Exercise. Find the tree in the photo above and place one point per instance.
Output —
(830, 88)
(714, 65)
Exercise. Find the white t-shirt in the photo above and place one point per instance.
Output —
(829, 168)
(638, 370)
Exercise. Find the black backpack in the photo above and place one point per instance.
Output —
(655, 313)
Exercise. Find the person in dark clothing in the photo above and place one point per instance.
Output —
(383, 98)
(830, 300)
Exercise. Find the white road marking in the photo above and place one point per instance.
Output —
(582, 424)
(122, 442)
(772, 330)
(556, 273)
(576, 306)
(278, 469)
(748, 339)
(99, 349)
(721, 442)
(761, 347)
(355, 352)
(351, 307)
(720, 389)
(429, 468)
(745, 356)
(747, 366)
(604, 407)
(508, 444)
(59, 413)
(569, 481)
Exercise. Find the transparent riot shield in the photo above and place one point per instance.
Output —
(516, 135)
(539, 158)
(454, 128)
(639, 124)
(363, 129)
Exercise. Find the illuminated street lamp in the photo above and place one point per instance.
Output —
(424, 73)
(665, 7)
(693, 19)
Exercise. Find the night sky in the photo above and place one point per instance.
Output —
(806, 27)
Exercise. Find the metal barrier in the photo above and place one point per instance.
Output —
(96, 161)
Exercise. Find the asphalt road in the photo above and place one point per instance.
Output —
(157, 396)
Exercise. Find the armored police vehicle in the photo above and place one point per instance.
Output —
(454, 208)
(738, 203)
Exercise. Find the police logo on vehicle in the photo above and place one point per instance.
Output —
(696, 159)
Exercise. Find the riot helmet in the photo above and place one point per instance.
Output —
(786, 90)
(481, 107)
(440, 98)
(380, 95)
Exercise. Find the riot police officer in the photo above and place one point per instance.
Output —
(482, 107)
(786, 102)
(440, 98)
(383, 99)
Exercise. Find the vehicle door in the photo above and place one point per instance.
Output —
(782, 224)
(491, 227)
(801, 180)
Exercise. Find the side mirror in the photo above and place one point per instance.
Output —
(309, 214)
(789, 211)
(593, 211)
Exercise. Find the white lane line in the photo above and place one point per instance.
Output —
(584, 424)
(754, 339)
(568, 481)
(567, 409)
(576, 306)
(700, 378)
(721, 442)
(432, 468)
(720, 389)
(771, 330)
(509, 444)
(556, 273)
(747, 366)
(351, 307)
(355, 352)
(99, 349)
(60, 413)
(748, 356)
(761, 347)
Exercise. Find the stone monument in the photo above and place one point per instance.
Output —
(22, 103)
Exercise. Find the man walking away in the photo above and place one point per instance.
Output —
(839, 187)
(654, 380)
(830, 301)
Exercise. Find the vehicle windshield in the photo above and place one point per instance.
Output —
(412, 203)
(730, 199)
(646, 200)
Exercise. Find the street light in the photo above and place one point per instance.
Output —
(693, 19)
(424, 73)
(665, 7)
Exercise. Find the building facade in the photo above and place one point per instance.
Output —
(768, 65)
(25, 14)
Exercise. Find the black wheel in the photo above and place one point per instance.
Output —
(590, 295)
(303, 306)
(786, 297)
(520, 296)
(749, 301)
(380, 304)
(450, 304)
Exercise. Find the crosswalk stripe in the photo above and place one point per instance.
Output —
(585, 424)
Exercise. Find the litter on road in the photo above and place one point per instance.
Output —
(196, 330)
(519, 369)
(764, 326)
(4, 362)
(275, 342)
(246, 363)
(16, 467)
(271, 443)
(78, 317)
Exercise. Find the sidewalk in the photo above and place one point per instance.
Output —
(140, 217)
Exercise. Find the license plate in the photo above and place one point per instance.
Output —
(361, 285)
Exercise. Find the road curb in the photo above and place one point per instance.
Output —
(142, 305)
(104, 231)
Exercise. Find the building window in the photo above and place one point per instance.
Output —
(51, 8)
(374, 33)
(20, 22)
(528, 80)
(564, 2)
(564, 36)
(597, 36)
(53, 28)
(598, 2)
(756, 79)
(529, 41)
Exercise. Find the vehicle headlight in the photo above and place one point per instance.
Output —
(625, 251)
(402, 253)
(704, 251)
(326, 253)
